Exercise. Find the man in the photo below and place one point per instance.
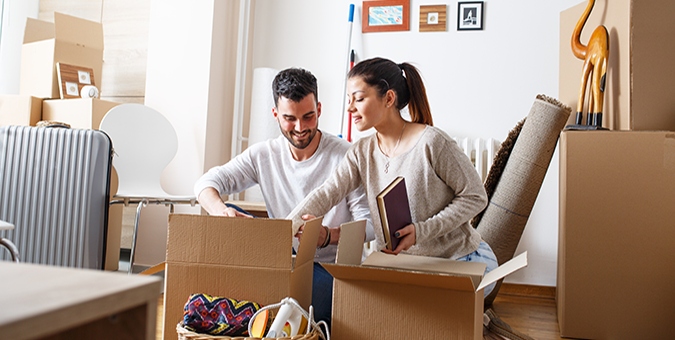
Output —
(289, 167)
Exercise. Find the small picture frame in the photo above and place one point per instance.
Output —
(470, 15)
(385, 16)
(433, 18)
(72, 79)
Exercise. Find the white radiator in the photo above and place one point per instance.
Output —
(481, 151)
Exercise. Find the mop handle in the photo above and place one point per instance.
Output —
(344, 89)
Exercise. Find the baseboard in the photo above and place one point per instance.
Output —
(514, 289)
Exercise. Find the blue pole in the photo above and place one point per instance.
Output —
(348, 55)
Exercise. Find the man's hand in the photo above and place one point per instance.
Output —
(407, 239)
(323, 233)
(210, 200)
(231, 212)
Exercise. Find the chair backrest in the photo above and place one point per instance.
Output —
(144, 142)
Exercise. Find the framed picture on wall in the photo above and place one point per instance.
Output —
(386, 16)
(470, 15)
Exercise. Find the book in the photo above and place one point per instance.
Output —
(394, 209)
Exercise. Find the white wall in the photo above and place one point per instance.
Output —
(479, 83)
(13, 23)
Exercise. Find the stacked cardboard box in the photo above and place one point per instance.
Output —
(617, 188)
(640, 81)
(20, 110)
(68, 40)
(617, 192)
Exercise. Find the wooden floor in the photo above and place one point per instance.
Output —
(529, 310)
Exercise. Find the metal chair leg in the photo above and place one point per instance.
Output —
(132, 255)
(13, 251)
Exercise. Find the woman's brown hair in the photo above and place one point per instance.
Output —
(404, 79)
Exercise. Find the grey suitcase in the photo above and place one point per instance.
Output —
(54, 188)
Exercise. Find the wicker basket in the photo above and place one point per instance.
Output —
(184, 334)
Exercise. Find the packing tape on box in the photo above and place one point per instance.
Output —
(89, 91)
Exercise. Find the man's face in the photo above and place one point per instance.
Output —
(298, 121)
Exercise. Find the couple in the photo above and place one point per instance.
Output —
(307, 173)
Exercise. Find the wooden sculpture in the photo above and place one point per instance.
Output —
(595, 56)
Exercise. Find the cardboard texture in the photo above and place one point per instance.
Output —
(615, 253)
(20, 110)
(638, 94)
(85, 113)
(114, 235)
(350, 250)
(410, 297)
(69, 40)
(240, 258)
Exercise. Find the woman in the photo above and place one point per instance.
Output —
(444, 189)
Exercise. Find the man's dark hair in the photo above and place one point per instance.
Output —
(294, 84)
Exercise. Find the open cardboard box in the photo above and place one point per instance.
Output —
(405, 296)
(236, 257)
(69, 40)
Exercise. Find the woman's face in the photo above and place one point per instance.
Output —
(364, 103)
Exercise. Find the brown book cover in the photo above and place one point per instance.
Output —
(394, 210)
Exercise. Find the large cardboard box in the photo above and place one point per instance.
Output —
(408, 297)
(241, 258)
(20, 110)
(70, 40)
(616, 258)
(85, 113)
(640, 81)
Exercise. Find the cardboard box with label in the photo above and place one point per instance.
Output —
(240, 258)
(617, 231)
(69, 40)
(408, 297)
(20, 110)
(85, 113)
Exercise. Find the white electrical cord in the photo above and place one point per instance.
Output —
(310, 317)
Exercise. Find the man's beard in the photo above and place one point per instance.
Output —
(300, 144)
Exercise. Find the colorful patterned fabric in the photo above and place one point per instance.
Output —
(217, 315)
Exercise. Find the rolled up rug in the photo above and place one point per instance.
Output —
(510, 205)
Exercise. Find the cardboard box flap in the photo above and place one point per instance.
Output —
(301, 283)
(473, 270)
(425, 263)
(507, 268)
(310, 237)
(350, 245)
(78, 31)
(398, 276)
(251, 242)
(37, 30)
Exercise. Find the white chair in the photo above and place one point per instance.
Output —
(144, 142)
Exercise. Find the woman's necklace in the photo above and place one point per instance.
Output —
(393, 152)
